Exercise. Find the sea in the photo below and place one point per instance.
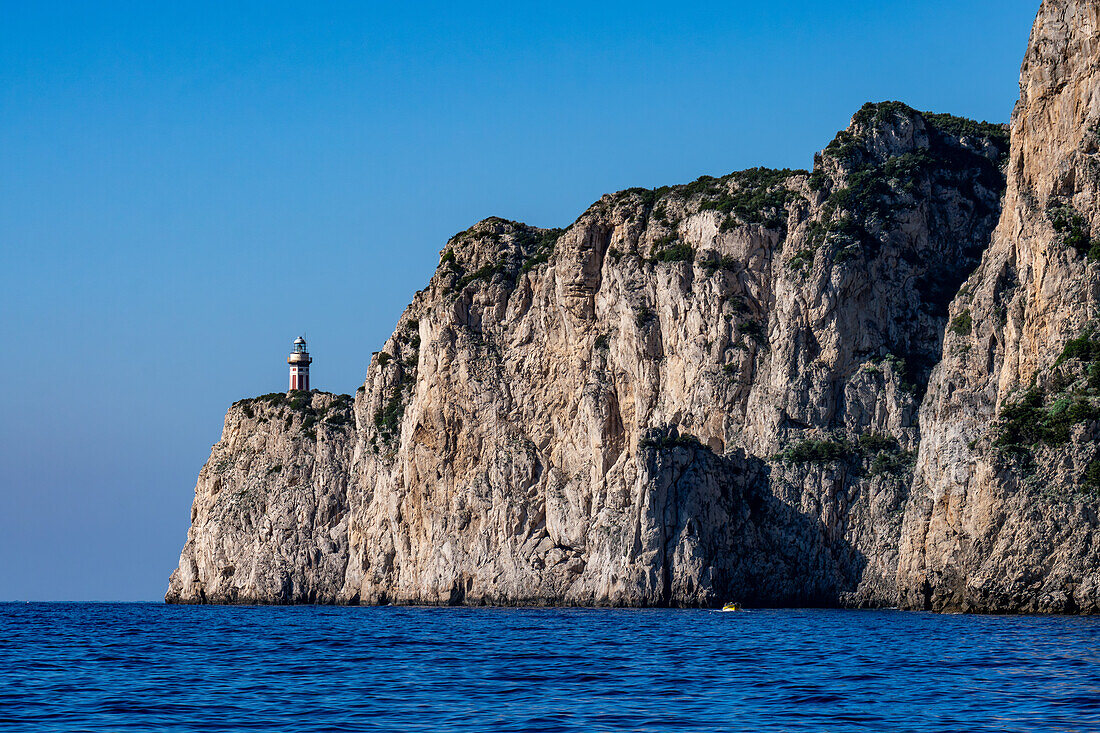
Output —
(152, 667)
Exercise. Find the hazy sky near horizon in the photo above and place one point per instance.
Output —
(184, 188)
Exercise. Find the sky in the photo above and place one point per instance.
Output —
(187, 187)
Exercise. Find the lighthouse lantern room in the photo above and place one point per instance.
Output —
(299, 365)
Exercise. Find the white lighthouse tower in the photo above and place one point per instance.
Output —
(299, 365)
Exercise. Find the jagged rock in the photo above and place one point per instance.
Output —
(269, 521)
(590, 416)
(749, 312)
(1003, 517)
(720, 390)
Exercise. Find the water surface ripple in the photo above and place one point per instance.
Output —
(150, 667)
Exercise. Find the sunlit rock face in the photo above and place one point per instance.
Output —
(269, 521)
(593, 416)
(818, 387)
(1003, 513)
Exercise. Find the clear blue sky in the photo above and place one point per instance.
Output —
(183, 190)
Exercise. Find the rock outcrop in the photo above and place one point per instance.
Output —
(736, 388)
(593, 416)
(269, 521)
(1004, 509)
(590, 416)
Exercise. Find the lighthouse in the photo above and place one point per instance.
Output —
(299, 365)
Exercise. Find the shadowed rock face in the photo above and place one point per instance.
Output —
(766, 387)
(1003, 516)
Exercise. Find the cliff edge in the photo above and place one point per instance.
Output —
(692, 393)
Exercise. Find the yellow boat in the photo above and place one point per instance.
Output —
(731, 607)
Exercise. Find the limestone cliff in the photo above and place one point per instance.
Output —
(524, 435)
(766, 387)
(1004, 514)
(269, 521)
(593, 415)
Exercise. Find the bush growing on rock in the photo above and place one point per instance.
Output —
(815, 451)
(712, 262)
(962, 324)
(643, 316)
(1031, 420)
(679, 252)
(1073, 227)
(754, 330)
(1083, 348)
(876, 442)
(668, 439)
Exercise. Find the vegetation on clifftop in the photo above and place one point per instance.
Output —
(298, 405)
(520, 249)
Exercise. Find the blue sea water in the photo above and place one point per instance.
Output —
(151, 667)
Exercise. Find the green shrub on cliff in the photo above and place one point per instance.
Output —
(1074, 230)
(712, 262)
(962, 324)
(665, 440)
(893, 463)
(815, 451)
(338, 419)
(387, 419)
(876, 442)
(298, 400)
(877, 113)
(883, 452)
(756, 196)
(754, 330)
(677, 252)
(1031, 420)
(844, 147)
(646, 196)
(485, 272)
(1084, 348)
(542, 244)
(886, 454)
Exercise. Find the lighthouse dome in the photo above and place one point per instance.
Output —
(300, 345)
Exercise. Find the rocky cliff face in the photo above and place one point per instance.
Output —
(590, 416)
(269, 521)
(755, 387)
(1004, 513)
(694, 393)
